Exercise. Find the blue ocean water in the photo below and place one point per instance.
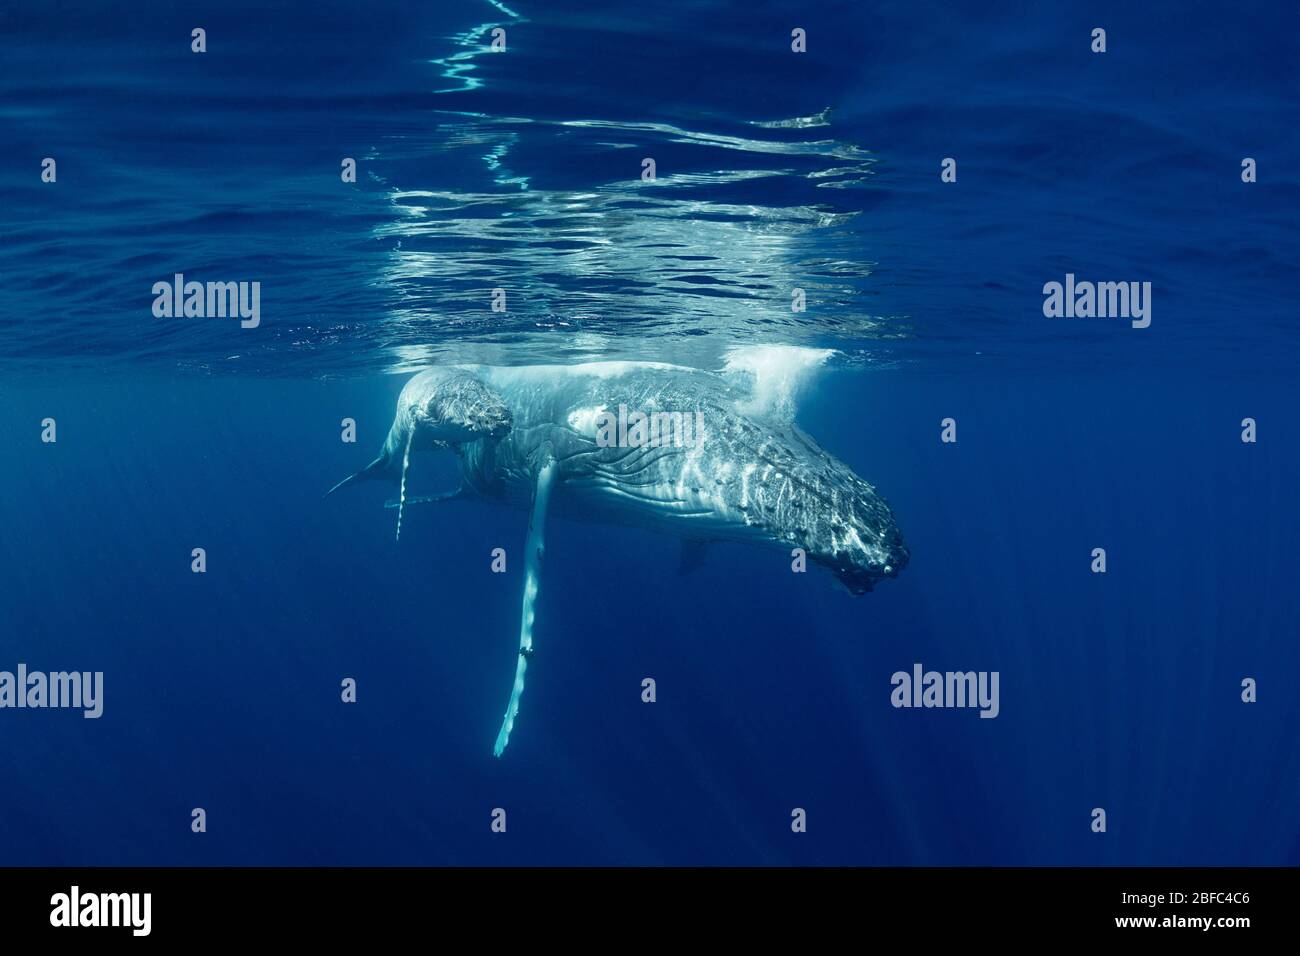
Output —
(522, 170)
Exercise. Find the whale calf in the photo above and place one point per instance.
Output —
(702, 455)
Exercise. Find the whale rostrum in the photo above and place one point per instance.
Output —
(702, 455)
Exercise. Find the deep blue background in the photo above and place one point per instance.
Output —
(222, 690)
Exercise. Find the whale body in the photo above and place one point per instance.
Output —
(701, 455)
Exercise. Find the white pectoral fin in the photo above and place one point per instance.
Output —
(401, 500)
(375, 469)
(533, 549)
(429, 499)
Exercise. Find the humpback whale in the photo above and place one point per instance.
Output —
(560, 437)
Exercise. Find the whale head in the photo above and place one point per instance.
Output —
(452, 408)
(438, 408)
(841, 523)
(863, 555)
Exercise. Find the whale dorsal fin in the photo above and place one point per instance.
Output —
(533, 549)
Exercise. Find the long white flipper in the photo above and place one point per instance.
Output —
(533, 548)
(428, 499)
(401, 500)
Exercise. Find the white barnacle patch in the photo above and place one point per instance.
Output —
(691, 473)
(853, 540)
(583, 420)
(744, 482)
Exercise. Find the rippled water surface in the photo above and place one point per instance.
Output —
(522, 171)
